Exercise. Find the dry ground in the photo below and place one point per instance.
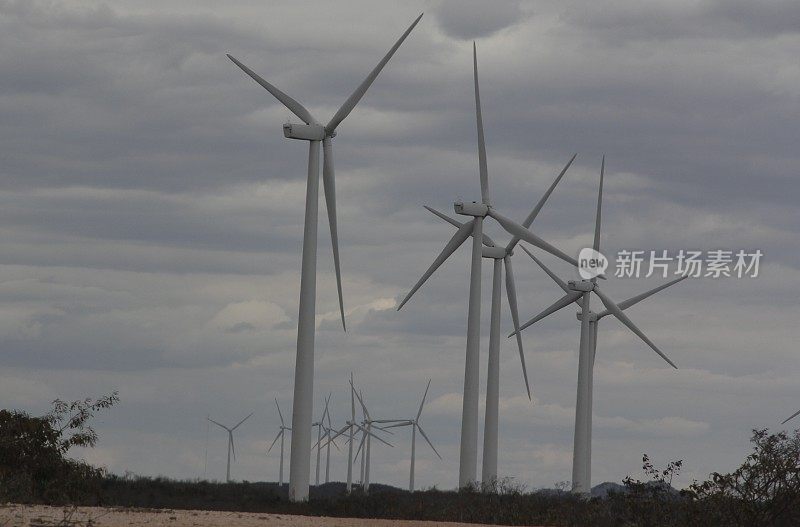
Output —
(12, 515)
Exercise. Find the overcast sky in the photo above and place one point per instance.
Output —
(151, 221)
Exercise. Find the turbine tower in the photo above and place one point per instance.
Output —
(468, 460)
(501, 258)
(414, 424)
(579, 293)
(315, 133)
(231, 447)
(281, 434)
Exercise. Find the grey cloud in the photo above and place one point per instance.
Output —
(151, 219)
(475, 19)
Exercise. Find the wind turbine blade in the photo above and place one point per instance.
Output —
(294, 106)
(218, 424)
(279, 411)
(424, 435)
(638, 298)
(791, 417)
(360, 445)
(274, 441)
(535, 212)
(455, 242)
(340, 432)
(599, 206)
(329, 413)
(329, 186)
(325, 412)
(561, 283)
(352, 399)
(380, 439)
(622, 317)
(397, 425)
(511, 293)
(482, 168)
(515, 229)
(382, 428)
(242, 421)
(559, 304)
(360, 400)
(233, 445)
(486, 239)
(356, 96)
(419, 412)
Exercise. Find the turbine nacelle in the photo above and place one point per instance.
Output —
(495, 253)
(592, 316)
(478, 210)
(584, 286)
(306, 132)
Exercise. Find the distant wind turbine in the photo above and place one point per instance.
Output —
(320, 428)
(280, 436)
(315, 133)
(791, 417)
(365, 447)
(231, 447)
(414, 424)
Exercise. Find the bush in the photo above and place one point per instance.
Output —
(33, 462)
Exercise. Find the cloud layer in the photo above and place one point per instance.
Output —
(151, 220)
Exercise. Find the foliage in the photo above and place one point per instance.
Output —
(764, 490)
(33, 462)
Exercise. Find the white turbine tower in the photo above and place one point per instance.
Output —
(579, 292)
(468, 461)
(414, 424)
(231, 447)
(502, 258)
(314, 132)
(280, 436)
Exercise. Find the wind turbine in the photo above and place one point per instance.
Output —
(327, 431)
(791, 417)
(315, 133)
(280, 436)
(351, 427)
(579, 293)
(231, 448)
(414, 424)
(468, 461)
(320, 427)
(501, 258)
(365, 447)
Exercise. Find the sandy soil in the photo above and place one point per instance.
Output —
(39, 516)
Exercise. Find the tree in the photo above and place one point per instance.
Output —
(33, 462)
(764, 490)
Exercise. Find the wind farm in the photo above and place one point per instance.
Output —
(161, 290)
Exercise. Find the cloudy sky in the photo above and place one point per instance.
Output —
(151, 220)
